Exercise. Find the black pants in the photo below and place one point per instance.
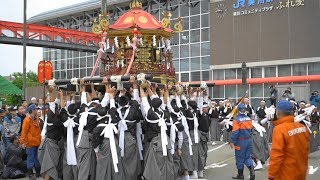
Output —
(273, 101)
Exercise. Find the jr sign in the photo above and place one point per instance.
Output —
(245, 7)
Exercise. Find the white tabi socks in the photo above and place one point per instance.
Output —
(187, 177)
(258, 166)
(200, 174)
(194, 175)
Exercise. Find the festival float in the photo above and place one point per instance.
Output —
(137, 44)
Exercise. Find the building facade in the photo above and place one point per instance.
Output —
(276, 38)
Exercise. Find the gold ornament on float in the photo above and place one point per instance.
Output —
(96, 29)
(178, 26)
(104, 23)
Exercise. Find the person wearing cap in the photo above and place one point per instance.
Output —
(315, 99)
(241, 142)
(11, 124)
(290, 146)
(31, 139)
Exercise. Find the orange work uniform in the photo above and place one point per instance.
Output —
(289, 150)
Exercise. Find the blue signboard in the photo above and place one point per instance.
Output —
(249, 3)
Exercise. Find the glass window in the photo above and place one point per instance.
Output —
(176, 65)
(195, 36)
(185, 23)
(184, 77)
(63, 74)
(184, 37)
(196, 9)
(58, 54)
(184, 51)
(256, 90)
(76, 73)
(69, 54)
(184, 64)
(314, 68)
(89, 62)
(205, 34)
(205, 63)
(230, 73)
(195, 49)
(175, 51)
(63, 64)
(175, 11)
(195, 63)
(284, 70)
(69, 74)
(256, 73)
(218, 74)
(205, 6)
(83, 61)
(83, 73)
(231, 91)
(270, 72)
(89, 70)
(195, 76)
(299, 69)
(57, 74)
(218, 92)
(175, 39)
(75, 54)
(69, 64)
(184, 10)
(75, 63)
(206, 76)
(205, 20)
(314, 86)
(205, 48)
(194, 22)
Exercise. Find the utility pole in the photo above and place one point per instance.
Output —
(24, 47)
(244, 76)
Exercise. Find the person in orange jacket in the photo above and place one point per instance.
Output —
(31, 139)
(290, 146)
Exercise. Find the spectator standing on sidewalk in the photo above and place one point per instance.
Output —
(30, 139)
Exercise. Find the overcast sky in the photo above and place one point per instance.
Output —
(12, 10)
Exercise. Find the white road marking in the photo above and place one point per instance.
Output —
(215, 166)
(312, 170)
(217, 147)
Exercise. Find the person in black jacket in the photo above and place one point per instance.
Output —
(49, 151)
(15, 165)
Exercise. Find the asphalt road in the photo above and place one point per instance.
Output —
(221, 165)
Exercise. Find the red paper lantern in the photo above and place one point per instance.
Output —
(44, 71)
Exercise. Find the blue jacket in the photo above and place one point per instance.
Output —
(314, 100)
(242, 128)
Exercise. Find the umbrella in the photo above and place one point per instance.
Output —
(7, 88)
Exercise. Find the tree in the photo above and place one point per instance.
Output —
(31, 80)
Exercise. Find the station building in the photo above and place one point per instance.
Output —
(278, 40)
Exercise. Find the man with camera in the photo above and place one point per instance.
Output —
(315, 98)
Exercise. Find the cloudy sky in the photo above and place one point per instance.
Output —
(12, 10)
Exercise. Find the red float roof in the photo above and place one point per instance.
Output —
(137, 18)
